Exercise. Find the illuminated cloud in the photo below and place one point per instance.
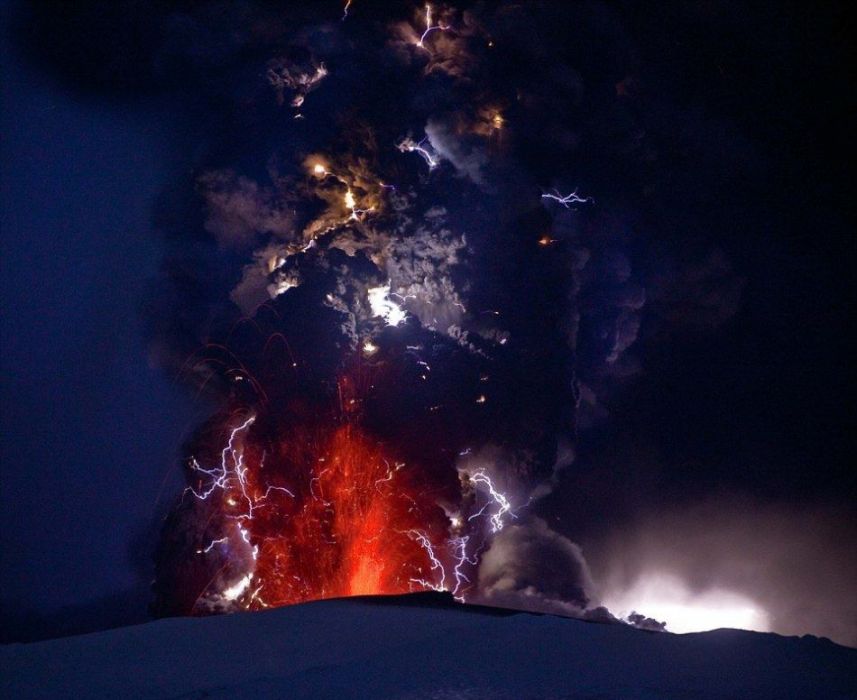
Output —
(383, 306)
(734, 562)
(666, 597)
(531, 567)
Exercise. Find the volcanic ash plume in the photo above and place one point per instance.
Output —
(398, 312)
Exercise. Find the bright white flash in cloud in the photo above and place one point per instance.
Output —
(236, 590)
(383, 306)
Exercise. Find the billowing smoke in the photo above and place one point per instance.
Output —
(418, 302)
(393, 275)
(414, 317)
(529, 566)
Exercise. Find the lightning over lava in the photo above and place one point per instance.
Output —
(385, 412)
(520, 302)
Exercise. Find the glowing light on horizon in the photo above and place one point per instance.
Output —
(666, 597)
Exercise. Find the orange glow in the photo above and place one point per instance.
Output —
(346, 525)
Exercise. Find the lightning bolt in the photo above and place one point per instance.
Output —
(568, 199)
(497, 498)
(436, 564)
(408, 145)
(230, 476)
(429, 27)
(459, 547)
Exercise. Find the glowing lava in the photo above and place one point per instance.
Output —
(320, 513)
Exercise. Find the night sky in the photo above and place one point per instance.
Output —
(691, 422)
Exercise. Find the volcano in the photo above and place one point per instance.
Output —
(421, 646)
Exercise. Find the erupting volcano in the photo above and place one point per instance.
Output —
(375, 405)
(484, 303)
(347, 525)
(400, 315)
(301, 503)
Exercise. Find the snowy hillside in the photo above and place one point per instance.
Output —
(419, 647)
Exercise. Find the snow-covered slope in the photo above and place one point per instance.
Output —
(420, 648)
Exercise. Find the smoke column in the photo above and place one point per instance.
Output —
(373, 399)
(393, 278)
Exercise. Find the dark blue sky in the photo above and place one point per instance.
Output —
(78, 180)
